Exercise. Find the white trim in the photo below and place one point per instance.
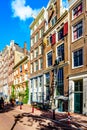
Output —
(78, 77)
(73, 59)
(82, 30)
(72, 2)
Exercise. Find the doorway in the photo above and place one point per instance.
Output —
(78, 96)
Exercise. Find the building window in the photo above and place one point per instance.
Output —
(37, 24)
(60, 52)
(40, 63)
(31, 83)
(39, 96)
(60, 85)
(77, 10)
(40, 49)
(47, 81)
(36, 64)
(78, 86)
(36, 52)
(20, 68)
(49, 59)
(32, 42)
(36, 82)
(78, 58)
(40, 81)
(31, 68)
(50, 39)
(36, 37)
(32, 56)
(53, 21)
(61, 34)
(41, 32)
(77, 30)
(47, 77)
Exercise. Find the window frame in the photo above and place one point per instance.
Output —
(59, 35)
(21, 69)
(73, 31)
(47, 65)
(77, 11)
(63, 57)
(73, 63)
(60, 81)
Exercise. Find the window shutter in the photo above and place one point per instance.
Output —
(65, 29)
(53, 38)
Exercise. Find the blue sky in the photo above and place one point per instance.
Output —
(15, 18)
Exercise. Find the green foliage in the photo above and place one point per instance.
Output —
(26, 95)
(12, 92)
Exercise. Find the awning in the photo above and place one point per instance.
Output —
(61, 98)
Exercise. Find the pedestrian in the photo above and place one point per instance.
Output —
(17, 101)
(1, 103)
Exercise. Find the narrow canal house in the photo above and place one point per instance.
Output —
(55, 56)
(78, 56)
(20, 86)
(36, 57)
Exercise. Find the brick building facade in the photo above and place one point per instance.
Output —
(78, 58)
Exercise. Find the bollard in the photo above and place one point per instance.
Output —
(69, 118)
(32, 109)
(20, 107)
(53, 114)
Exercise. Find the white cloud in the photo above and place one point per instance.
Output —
(21, 10)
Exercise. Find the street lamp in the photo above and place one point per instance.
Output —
(55, 73)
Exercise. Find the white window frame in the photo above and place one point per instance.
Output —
(82, 30)
(76, 7)
(73, 60)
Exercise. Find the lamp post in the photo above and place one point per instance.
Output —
(55, 73)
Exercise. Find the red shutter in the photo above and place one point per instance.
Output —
(53, 38)
(65, 29)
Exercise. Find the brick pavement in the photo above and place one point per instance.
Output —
(77, 120)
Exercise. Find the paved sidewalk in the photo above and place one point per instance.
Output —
(77, 120)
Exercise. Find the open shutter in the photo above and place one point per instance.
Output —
(53, 38)
(65, 29)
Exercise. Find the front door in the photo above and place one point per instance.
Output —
(78, 96)
(78, 102)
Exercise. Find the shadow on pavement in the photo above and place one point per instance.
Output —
(39, 122)
(62, 118)
(7, 108)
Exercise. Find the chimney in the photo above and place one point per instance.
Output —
(25, 48)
